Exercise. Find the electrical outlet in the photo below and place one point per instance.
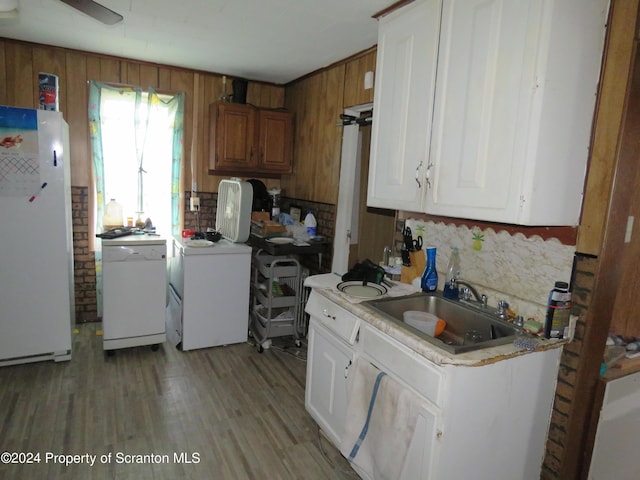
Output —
(194, 204)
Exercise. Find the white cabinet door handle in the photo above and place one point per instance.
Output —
(418, 174)
(326, 313)
(428, 174)
(346, 369)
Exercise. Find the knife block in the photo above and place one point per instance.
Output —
(418, 263)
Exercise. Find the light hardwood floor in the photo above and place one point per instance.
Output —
(240, 412)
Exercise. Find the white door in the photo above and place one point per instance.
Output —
(403, 100)
(345, 231)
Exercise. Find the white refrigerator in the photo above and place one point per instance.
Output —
(36, 240)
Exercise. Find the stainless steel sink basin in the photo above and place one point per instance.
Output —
(468, 328)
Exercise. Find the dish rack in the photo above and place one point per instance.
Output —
(276, 291)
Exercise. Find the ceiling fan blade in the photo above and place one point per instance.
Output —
(95, 10)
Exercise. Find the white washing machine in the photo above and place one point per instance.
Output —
(134, 286)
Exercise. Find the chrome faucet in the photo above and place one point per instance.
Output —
(502, 310)
(468, 290)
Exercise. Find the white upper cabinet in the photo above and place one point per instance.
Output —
(403, 102)
(511, 110)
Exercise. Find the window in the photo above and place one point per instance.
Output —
(137, 147)
(144, 191)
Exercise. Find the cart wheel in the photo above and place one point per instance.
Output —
(155, 347)
(260, 348)
(298, 343)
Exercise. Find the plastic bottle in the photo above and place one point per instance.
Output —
(429, 280)
(112, 217)
(310, 223)
(275, 203)
(453, 273)
(558, 311)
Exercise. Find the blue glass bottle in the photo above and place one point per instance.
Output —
(429, 280)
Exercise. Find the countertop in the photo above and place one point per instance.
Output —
(313, 247)
(325, 284)
(135, 239)
(202, 247)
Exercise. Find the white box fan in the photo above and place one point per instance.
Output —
(233, 213)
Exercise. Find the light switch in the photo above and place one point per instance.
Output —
(627, 234)
(368, 80)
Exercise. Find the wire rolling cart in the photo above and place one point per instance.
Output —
(276, 290)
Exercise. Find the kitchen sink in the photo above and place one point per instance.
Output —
(468, 327)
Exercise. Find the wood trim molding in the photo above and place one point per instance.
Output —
(344, 61)
(391, 8)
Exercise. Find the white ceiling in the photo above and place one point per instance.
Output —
(270, 40)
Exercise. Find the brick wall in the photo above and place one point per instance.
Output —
(325, 214)
(207, 213)
(582, 284)
(83, 258)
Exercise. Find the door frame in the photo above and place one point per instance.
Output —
(344, 208)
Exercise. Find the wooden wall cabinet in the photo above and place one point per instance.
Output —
(246, 139)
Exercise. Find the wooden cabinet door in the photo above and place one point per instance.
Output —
(403, 103)
(275, 141)
(233, 137)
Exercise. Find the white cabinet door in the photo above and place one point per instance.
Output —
(403, 103)
(328, 361)
(514, 101)
(483, 49)
(615, 451)
(421, 461)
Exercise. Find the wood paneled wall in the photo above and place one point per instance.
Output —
(317, 101)
(20, 63)
(355, 70)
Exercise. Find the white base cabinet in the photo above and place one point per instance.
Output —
(503, 133)
(485, 422)
(328, 362)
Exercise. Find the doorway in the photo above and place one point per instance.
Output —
(361, 232)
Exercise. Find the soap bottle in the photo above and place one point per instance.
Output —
(558, 311)
(429, 280)
(453, 273)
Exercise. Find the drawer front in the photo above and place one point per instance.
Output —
(338, 320)
(403, 363)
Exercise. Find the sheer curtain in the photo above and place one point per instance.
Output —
(136, 139)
